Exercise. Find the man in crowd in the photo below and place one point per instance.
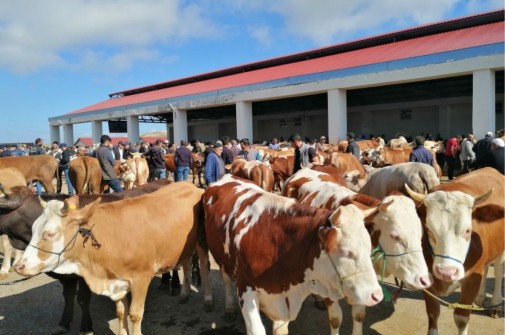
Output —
(320, 144)
(352, 146)
(227, 154)
(106, 159)
(495, 157)
(183, 160)
(451, 152)
(164, 147)
(274, 144)
(304, 155)
(248, 153)
(235, 148)
(420, 154)
(120, 152)
(156, 161)
(482, 147)
(64, 166)
(467, 155)
(38, 148)
(214, 165)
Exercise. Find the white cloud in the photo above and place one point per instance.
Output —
(37, 34)
(262, 34)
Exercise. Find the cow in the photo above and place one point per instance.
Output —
(255, 171)
(19, 211)
(85, 175)
(42, 168)
(282, 168)
(396, 230)
(10, 177)
(464, 221)
(354, 174)
(170, 164)
(95, 243)
(134, 172)
(197, 167)
(9, 252)
(279, 252)
(419, 176)
(332, 171)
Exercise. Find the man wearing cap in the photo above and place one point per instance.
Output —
(183, 160)
(320, 144)
(420, 154)
(304, 155)
(495, 157)
(64, 166)
(164, 147)
(482, 148)
(156, 161)
(214, 165)
(352, 146)
(106, 159)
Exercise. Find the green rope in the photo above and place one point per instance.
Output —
(378, 253)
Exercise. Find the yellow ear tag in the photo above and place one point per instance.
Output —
(72, 206)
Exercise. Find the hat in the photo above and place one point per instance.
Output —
(499, 142)
(165, 141)
(489, 134)
(295, 137)
(218, 144)
(322, 137)
(351, 135)
(63, 145)
(126, 143)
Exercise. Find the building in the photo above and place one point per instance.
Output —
(443, 78)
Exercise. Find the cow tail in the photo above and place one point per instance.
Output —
(86, 187)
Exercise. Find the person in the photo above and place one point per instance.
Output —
(165, 146)
(119, 151)
(248, 153)
(235, 148)
(352, 146)
(214, 165)
(420, 154)
(304, 155)
(156, 161)
(500, 133)
(320, 144)
(81, 151)
(451, 152)
(183, 160)
(482, 147)
(227, 154)
(64, 166)
(18, 151)
(8, 151)
(274, 144)
(38, 148)
(495, 157)
(467, 155)
(106, 159)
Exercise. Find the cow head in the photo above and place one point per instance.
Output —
(400, 240)
(14, 198)
(449, 228)
(54, 235)
(348, 247)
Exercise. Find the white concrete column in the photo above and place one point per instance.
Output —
(483, 103)
(55, 133)
(169, 130)
(244, 117)
(132, 128)
(180, 125)
(337, 115)
(68, 134)
(96, 131)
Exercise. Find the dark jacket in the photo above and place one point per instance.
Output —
(118, 157)
(156, 158)
(421, 155)
(481, 148)
(493, 159)
(227, 155)
(106, 159)
(37, 150)
(303, 157)
(65, 159)
(183, 157)
(353, 148)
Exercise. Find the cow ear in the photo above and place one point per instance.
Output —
(82, 216)
(479, 200)
(70, 204)
(330, 237)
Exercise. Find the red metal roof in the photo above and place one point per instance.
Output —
(426, 45)
(88, 141)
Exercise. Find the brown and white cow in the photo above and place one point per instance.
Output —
(255, 171)
(85, 175)
(118, 247)
(42, 168)
(197, 167)
(279, 252)
(134, 172)
(464, 220)
(397, 230)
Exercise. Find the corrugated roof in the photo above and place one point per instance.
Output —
(426, 45)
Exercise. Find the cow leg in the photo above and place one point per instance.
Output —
(186, 283)
(229, 309)
(250, 307)
(203, 256)
(481, 296)
(358, 315)
(6, 264)
(499, 272)
(175, 283)
(139, 293)
(196, 278)
(122, 309)
(83, 299)
(280, 327)
(334, 315)
(69, 289)
(433, 312)
(469, 289)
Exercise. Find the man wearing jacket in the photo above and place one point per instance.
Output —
(64, 166)
(106, 159)
(214, 166)
(157, 160)
(183, 160)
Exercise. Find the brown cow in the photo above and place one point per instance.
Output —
(120, 246)
(282, 168)
(464, 221)
(197, 167)
(134, 172)
(86, 175)
(351, 169)
(42, 168)
(255, 171)
(389, 156)
(11, 177)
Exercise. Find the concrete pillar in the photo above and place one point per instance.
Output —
(244, 118)
(68, 134)
(483, 103)
(55, 133)
(96, 131)
(169, 130)
(132, 128)
(180, 125)
(337, 115)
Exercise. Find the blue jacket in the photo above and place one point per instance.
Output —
(214, 168)
(421, 155)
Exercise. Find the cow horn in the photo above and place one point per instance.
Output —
(384, 206)
(370, 211)
(482, 198)
(2, 188)
(42, 202)
(414, 195)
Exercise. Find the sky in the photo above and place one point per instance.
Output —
(57, 56)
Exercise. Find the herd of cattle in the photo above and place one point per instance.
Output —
(279, 237)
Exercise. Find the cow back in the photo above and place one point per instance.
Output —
(41, 167)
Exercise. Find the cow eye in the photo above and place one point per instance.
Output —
(395, 237)
(48, 235)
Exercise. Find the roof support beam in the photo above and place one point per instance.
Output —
(96, 131)
(132, 128)
(180, 125)
(55, 133)
(337, 115)
(244, 120)
(483, 103)
(68, 134)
